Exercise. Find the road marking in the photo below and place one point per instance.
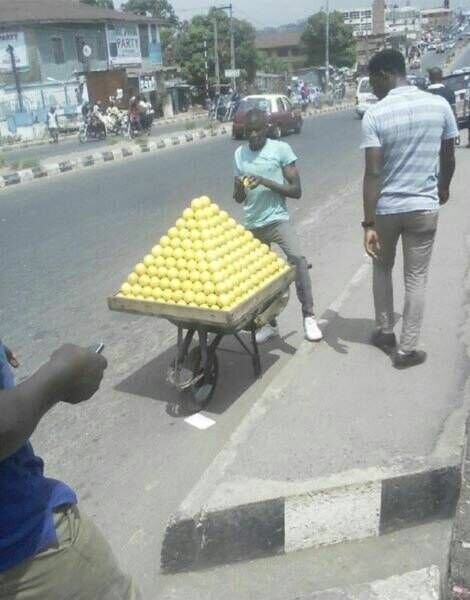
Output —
(200, 421)
(354, 283)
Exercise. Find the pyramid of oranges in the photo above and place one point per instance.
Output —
(206, 260)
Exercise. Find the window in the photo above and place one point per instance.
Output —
(101, 46)
(79, 43)
(153, 34)
(288, 105)
(280, 105)
(250, 103)
(58, 50)
(112, 46)
(283, 52)
(144, 40)
(355, 14)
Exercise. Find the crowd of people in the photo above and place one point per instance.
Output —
(48, 548)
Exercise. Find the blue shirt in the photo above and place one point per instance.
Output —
(409, 125)
(263, 206)
(27, 498)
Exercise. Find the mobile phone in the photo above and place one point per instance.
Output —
(97, 348)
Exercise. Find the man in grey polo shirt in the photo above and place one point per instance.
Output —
(408, 137)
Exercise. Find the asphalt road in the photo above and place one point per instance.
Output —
(67, 244)
(71, 144)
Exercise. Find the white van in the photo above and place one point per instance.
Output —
(364, 96)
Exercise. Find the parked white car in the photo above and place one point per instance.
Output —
(364, 96)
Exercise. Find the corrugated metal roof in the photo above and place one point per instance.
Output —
(19, 12)
(277, 39)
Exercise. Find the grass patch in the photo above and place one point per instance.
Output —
(29, 163)
(114, 140)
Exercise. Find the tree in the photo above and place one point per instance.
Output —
(189, 47)
(99, 3)
(342, 45)
(161, 9)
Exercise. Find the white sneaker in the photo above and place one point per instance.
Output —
(312, 331)
(266, 333)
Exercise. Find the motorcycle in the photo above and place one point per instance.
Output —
(92, 129)
(141, 126)
(116, 123)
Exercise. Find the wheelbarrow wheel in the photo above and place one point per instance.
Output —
(203, 389)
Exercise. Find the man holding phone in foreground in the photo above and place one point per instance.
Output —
(48, 549)
(265, 175)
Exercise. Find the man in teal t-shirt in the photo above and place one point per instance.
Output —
(272, 177)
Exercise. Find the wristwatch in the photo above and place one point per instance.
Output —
(368, 224)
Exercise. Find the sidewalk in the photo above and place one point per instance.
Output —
(341, 446)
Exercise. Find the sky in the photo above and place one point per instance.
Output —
(264, 13)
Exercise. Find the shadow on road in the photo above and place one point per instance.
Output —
(340, 330)
(235, 377)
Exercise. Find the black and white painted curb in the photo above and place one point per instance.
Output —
(134, 149)
(319, 516)
(108, 155)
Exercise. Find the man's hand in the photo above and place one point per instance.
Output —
(239, 192)
(11, 358)
(371, 242)
(254, 182)
(78, 373)
(443, 195)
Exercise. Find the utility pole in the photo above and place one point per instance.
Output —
(11, 52)
(229, 7)
(327, 46)
(206, 67)
(216, 57)
(232, 49)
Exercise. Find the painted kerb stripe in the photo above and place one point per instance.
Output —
(320, 518)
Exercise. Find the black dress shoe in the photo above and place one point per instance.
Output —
(411, 359)
(387, 342)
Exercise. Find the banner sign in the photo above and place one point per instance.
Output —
(155, 53)
(123, 44)
(15, 39)
(147, 83)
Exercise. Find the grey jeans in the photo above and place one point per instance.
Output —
(281, 234)
(417, 231)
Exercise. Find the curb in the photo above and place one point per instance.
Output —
(415, 585)
(65, 166)
(458, 585)
(319, 516)
(45, 141)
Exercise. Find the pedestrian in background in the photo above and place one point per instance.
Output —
(437, 86)
(48, 549)
(53, 125)
(404, 136)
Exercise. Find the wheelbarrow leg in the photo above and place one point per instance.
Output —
(255, 356)
(205, 358)
(182, 347)
(183, 344)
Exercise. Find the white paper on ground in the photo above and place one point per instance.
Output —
(200, 421)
